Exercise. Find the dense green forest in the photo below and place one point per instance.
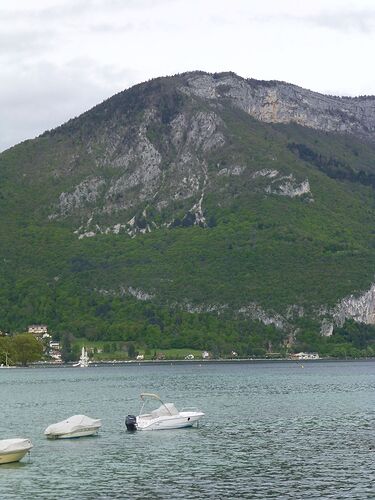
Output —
(67, 304)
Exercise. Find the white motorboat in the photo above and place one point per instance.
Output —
(83, 360)
(74, 427)
(12, 450)
(166, 416)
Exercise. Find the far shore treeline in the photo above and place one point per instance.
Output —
(155, 340)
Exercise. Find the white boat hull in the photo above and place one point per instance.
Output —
(183, 419)
(73, 427)
(68, 435)
(13, 450)
(16, 456)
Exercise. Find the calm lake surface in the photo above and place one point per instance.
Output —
(272, 430)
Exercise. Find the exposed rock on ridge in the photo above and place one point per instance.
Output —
(155, 163)
(361, 308)
(279, 102)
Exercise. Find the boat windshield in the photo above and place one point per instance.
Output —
(165, 409)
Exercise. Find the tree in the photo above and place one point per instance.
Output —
(6, 351)
(66, 349)
(27, 348)
(131, 350)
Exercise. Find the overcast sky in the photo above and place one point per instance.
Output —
(59, 58)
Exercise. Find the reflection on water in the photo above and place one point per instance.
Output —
(271, 430)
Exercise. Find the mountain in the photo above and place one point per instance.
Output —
(201, 210)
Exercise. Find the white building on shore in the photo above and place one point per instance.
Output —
(305, 355)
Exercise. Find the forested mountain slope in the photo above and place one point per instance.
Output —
(195, 210)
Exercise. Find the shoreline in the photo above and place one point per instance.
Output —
(97, 364)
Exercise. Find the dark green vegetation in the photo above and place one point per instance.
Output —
(257, 247)
(21, 349)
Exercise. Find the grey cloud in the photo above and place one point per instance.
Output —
(360, 21)
(39, 29)
(135, 4)
(104, 28)
(36, 13)
(71, 9)
(45, 96)
(29, 43)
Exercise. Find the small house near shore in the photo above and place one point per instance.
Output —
(305, 355)
(38, 330)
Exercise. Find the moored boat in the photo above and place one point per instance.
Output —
(13, 450)
(73, 427)
(166, 416)
(83, 360)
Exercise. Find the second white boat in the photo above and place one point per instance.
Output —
(165, 417)
(73, 427)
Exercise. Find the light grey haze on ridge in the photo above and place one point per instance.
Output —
(61, 57)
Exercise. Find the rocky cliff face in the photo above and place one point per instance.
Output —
(279, 102)
(360, 308)
(146, 175)
(153, 163)
(156, 162)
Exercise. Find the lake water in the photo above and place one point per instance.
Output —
(272, 430)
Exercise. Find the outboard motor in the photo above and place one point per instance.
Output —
(131, 423)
